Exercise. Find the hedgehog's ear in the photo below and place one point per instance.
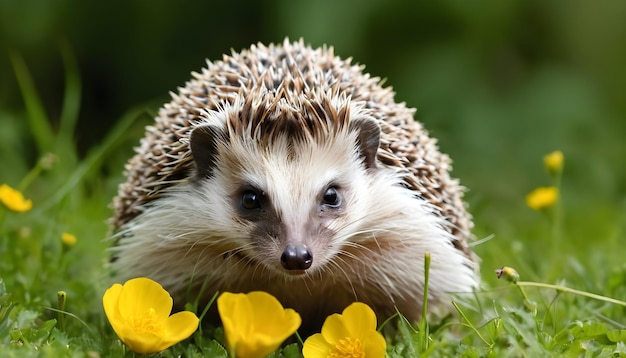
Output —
(368, 139)
(203, 145)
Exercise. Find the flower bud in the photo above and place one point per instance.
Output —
(61, 298)
(48, 161)
(554, 163)
(542, 198)
(68, 239)
(508, 273)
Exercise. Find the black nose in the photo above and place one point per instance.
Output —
(297, 257)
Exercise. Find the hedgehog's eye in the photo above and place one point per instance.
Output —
(250, 200)
(331, 197)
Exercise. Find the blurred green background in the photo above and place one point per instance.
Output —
(499, 83)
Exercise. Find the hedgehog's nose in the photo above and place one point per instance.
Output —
(297, 257)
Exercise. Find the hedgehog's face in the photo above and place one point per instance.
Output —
(296, 198)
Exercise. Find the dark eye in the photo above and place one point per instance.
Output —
(331, 197)
(250, 200)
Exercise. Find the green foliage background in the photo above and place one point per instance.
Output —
(499, 83)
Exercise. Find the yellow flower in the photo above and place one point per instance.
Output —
(139, 312)
(351, 334)
(255, 324)
(542, 198)
(68, 239)
(554, 162)
(13, 199)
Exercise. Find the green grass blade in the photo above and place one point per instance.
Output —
(572, 291)
(95, 157)
(37, 118)
(71, 102)
(424, 333)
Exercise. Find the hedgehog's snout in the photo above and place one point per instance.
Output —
(298, 257)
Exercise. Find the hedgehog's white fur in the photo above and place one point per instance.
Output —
(376, 255)
(291, 121)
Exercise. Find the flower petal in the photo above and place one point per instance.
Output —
(109, 302)
(235, 312)
(255, 324)
(271, 318)
(140, 294)
(359, 320)
(265, 339)
(179, 326)
(257, 346)
(289, 322)
(374, 344)
(13, 199)
(316, 346)
(266, 306)
(144, 343)
(334, 329)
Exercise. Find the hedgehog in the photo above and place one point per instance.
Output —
(286, 169)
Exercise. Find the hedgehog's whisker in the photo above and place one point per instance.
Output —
(345, 274)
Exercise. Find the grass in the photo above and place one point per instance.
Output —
(50, 292)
